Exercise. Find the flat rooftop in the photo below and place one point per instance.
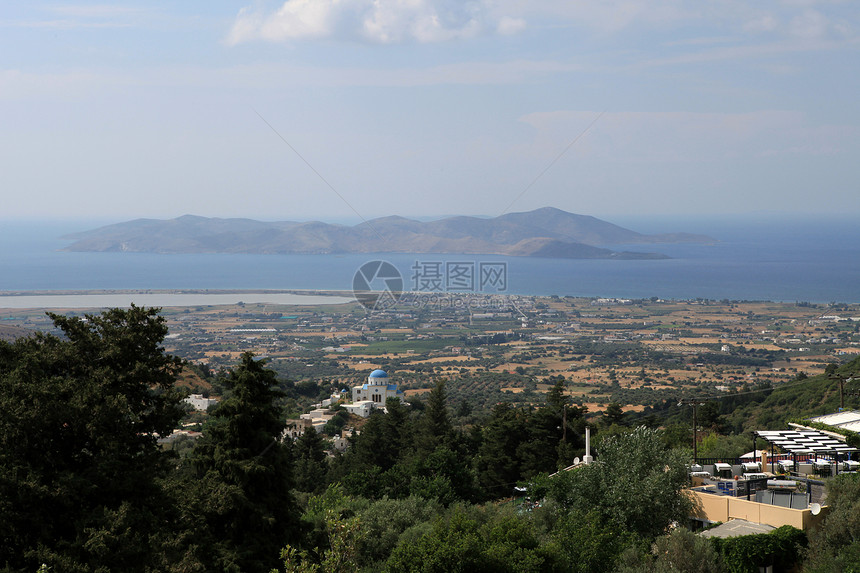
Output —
(839, 418)
(736, 528)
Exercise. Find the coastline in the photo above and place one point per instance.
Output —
(95, 299)
(809, 261)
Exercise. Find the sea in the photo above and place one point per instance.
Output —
(792, 259)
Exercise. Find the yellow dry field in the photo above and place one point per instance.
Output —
(583, 376)
(683, 374)
(703, 340)
(513, 390)
(312, 334)
(443, 359)
(373, 358)
(764, 346)
(232, 354)
(188, 378)
(554, 365)
(661, 343)
(417, 391)
(362, 369)
(594, 407)
(471, 368)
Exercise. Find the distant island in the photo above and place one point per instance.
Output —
(546, 232)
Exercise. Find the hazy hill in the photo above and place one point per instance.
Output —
(9, 333)
(769, 408)
(546, 232)
(814, 396)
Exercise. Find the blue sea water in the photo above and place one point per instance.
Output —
(781, 260)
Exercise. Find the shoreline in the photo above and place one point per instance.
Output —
(92, 292)
(167, 298)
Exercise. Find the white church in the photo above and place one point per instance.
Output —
(373, 394)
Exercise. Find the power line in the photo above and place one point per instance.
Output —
(551, 163)
(745, 392)
(318, 174)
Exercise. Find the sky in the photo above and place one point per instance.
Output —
(344, 110)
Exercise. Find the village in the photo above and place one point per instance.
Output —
(632, 352)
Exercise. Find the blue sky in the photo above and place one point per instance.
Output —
(424, 108)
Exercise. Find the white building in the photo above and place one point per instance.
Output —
(377, 389)
(363, 408)
(198, 402)
(317, 418)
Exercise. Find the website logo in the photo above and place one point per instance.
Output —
(377, 285)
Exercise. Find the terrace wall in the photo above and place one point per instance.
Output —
(722, 508)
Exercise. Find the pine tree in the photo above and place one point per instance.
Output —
(613, 415)
(497, 463)
(435, 425)
(80, 468)
(243, 463)
(310, 462)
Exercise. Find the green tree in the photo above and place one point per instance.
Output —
(340, 556)
(80, 469)
(613, 415)
(537, 449)
(375, 445)
(496, 462)
(681, 551)
(442, 475)
(587, 543)
(834, 546)
(244, 475)
(477, 540)
(556, 399)
(634, 485)
(435, 425)
(385, 521)
(709, 416)
(398, 427)
(780, 548)
(726, 447)
(310, 462)
(464, 409)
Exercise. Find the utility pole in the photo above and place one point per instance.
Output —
(831, 373)
(695, 403)
(564, 423)
(842, 381)
(852, 393)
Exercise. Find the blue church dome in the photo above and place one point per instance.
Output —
(378, 374)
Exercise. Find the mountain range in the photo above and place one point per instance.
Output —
(546, 232)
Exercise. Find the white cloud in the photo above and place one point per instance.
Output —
(427, 21)
(508, 25)
(369, 20)
(760, 23)
(299, 19)
(810, 25)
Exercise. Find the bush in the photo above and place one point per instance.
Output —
(781, 548)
